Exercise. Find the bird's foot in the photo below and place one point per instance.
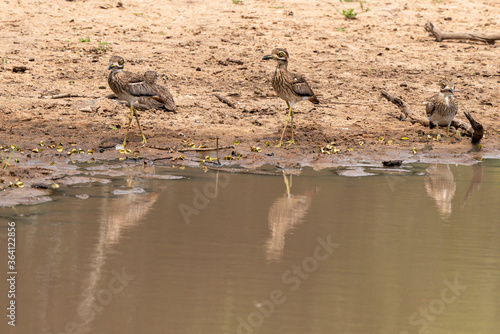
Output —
(438, 137)
(144, 141)
(459, 136)
(280, 144)
(290, 142)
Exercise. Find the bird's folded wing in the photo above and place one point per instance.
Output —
(429, 108)
(141, 89)
(165, 97)
(300, 86)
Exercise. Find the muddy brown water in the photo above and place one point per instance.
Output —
(406, 250)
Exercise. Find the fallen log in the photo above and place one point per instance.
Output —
(441, 35)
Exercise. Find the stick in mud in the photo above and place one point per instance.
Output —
(441, 35)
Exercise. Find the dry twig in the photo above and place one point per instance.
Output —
(64, 95)
(441, 35)
(224, 100)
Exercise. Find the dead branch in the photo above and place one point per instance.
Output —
(163, 158)
(160, 148)
(441, 35)
(190, 149)
(64, 95)
(204, 149)
(224, 100)
(415, 118)
(478, 133)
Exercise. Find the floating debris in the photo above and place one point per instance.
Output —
(392, 163)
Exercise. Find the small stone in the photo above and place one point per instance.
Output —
(19, 69)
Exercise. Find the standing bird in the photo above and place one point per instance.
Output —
(132, 87)
(442, 108)
(291, 87)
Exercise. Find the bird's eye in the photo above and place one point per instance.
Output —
(443, 85)
(120, 62)
(281, 54)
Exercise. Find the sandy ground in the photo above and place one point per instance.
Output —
(202, 48)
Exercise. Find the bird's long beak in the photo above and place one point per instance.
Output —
(268, 57)
(111, 66)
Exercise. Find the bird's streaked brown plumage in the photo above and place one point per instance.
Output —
(162, 99)
(289, 86)
(137, 88)
(442, 108)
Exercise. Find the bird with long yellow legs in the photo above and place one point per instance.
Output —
(289, 86)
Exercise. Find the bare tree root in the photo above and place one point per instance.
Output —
(478, 133)
(475, 130)
(441, 35)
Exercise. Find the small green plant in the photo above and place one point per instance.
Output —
(4, 159)
(84, 40)
(238, 2)
(362, 8)
(349, 14)
(4, 60)
(103, 43)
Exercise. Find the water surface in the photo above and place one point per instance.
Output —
(407, 251)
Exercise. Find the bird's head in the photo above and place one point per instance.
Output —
(278, 54)
(447, 86)
(116, 63)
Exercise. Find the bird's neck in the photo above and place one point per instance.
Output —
(447, 97)
(282, 66)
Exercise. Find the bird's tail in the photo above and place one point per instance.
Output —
(314, 99)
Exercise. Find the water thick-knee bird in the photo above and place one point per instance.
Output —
(133, 87)
(289, 86)
(442, 108)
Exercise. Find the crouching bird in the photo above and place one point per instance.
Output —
(289, 86)
(133, 87)
(442, 108)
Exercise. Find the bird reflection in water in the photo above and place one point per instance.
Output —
(285, 214)
(475, 182)
(441, 186)
(118, 215)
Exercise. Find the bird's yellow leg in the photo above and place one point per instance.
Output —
(438, 135)
(286, 123)
(456, 133)
(291, 142)
(128, 126)
(140, 129)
